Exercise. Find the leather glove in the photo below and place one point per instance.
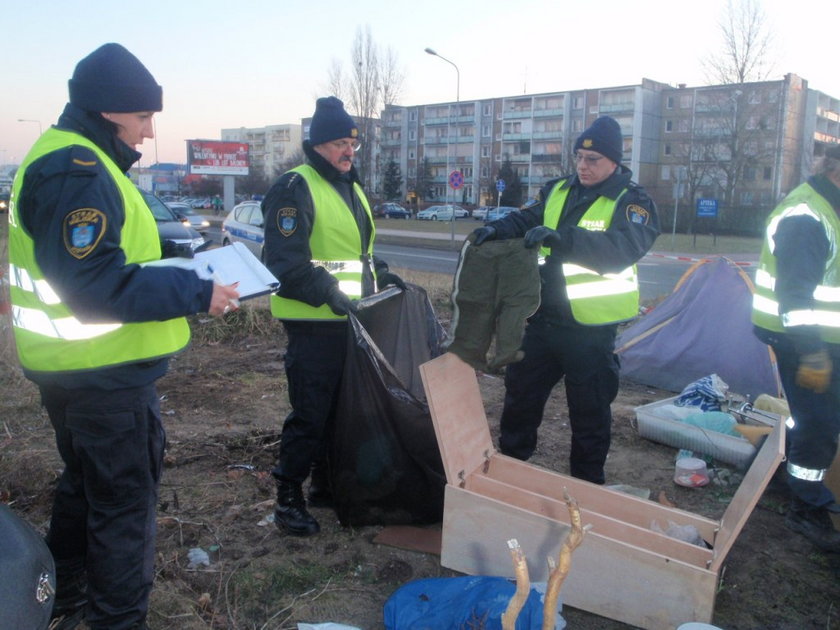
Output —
(541, 234)
(386, 277)
(814, 371)
(171, 249)
(339, 303)
(486, 233)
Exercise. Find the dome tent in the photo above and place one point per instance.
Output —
(704, 327)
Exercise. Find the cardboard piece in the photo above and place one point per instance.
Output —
(624, 570)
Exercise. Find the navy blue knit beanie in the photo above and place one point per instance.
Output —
(111, 79)
(330, 122)
(604, 137)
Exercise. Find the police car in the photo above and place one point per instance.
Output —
(245, 224)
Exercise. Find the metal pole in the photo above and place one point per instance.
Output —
(449, 136)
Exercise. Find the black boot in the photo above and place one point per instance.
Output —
(290, 513)
(320, 490)
(814, 523)
(71, 594)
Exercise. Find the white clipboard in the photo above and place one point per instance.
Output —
(226, 265)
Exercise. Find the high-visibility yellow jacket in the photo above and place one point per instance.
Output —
(335, 244)
(824, 312)
(596, 299)
(49, 337)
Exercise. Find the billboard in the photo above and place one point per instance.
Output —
(214, 157)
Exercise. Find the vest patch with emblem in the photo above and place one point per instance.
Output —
(83, 229)
(637, 214)
(287, 221)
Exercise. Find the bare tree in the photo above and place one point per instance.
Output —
(746, 46)
(391, 78)
(375, 80)
(335, 80)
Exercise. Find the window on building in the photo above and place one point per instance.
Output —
(577, 102)
(664, 172)
(486, 130)
(667, 149)
(755, 97)
(669, 102)
(485, 171)
(749, 174)
(682, 125)
(485, 151)
(412, 115)
(768, 173)
(669, 126)
(685, 101)
(412, 134)
(411, 154)
(487, 110)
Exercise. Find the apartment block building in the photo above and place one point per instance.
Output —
(745, 145)
(271, 147)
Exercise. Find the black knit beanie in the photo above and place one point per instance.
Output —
(604, 137)
(111, 79)
(330, 122)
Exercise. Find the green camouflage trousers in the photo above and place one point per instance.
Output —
(496, 288)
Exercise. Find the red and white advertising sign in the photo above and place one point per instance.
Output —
(214, 157)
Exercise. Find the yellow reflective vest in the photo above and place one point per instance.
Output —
(335, 244)
(49, 337)
(596, 299)
(825, 310)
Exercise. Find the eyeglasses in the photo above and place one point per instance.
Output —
(589, 160)
(343, 145)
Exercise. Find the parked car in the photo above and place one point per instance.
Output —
(442, 213)
(479, 214)
(245, 224)
(500, 212)
(393, 211)
(196, 220)
(170, 228)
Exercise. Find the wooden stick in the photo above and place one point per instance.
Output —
(558, 574)
(523, 586)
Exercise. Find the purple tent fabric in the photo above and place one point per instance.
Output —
(702, 328)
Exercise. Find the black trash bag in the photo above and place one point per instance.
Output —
(384, 460)
(27, 575)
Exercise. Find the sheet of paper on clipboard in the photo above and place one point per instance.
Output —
(226, 265)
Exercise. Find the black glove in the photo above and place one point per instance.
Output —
(171, 249)
(385, 278)
(486, 233)
(339, 303)
(541, 234)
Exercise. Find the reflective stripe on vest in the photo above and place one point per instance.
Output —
(48, 335)
(595, 298)
(336, 245)
(825, 310)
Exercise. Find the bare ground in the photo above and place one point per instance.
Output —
(223, 402)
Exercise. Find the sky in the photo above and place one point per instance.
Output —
(225, 64)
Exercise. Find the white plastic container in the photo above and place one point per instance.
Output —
(691, 472)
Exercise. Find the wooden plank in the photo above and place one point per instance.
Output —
(618, 505)
(602, 522)
(607, 577)
(832, 480)
(458, 415)
(749, 492)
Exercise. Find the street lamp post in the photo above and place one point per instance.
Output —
(448, 134)
(40, 129)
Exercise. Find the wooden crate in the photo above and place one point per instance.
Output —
(624, 569)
